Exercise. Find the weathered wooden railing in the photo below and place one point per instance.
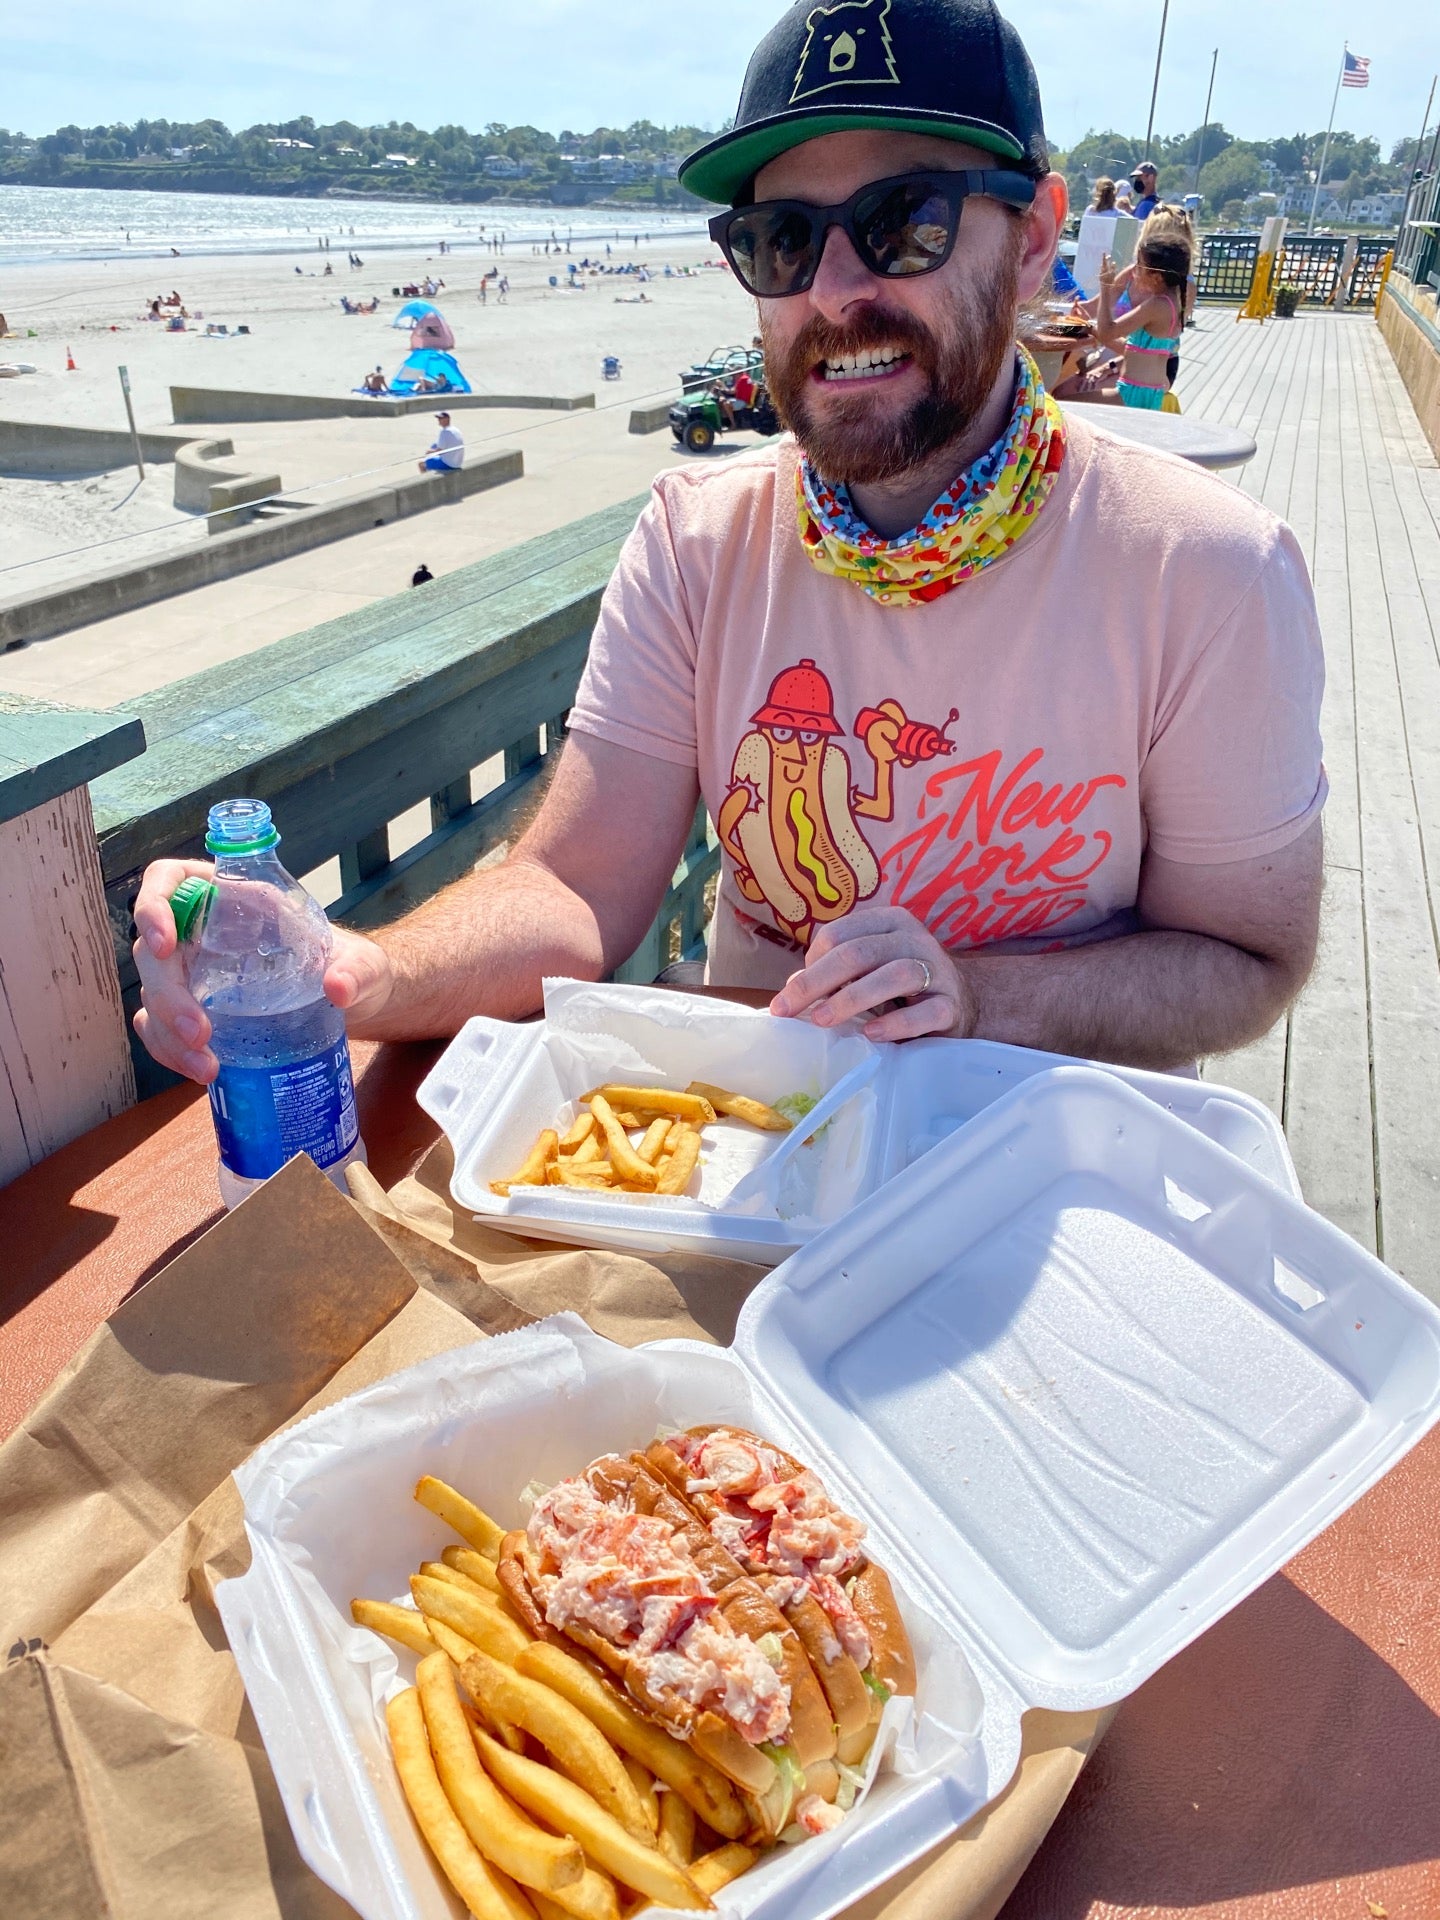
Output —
(345, 728)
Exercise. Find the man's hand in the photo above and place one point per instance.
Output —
(174, 1028)
(858, 966)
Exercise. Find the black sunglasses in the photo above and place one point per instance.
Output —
(902, 226)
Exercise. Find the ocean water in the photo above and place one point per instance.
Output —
(82, 223)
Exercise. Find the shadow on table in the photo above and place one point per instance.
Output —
(1278, 1751)
(47, 1229)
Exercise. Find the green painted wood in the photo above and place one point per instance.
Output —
(440, 858)
(304, 728)
(450, 803)
(46, 749)
(443, 609)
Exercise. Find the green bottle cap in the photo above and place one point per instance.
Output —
(191, 903)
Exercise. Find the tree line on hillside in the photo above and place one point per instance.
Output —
(1231, 172)
(636, 163)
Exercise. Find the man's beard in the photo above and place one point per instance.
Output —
(848, 440)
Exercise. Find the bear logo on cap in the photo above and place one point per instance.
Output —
(846, 45)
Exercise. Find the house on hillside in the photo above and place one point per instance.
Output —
(1379, 209)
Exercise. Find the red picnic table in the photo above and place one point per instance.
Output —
(1284, 1767)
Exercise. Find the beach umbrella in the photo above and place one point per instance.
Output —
(412, 311)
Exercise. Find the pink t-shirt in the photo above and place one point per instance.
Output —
(1143, 668)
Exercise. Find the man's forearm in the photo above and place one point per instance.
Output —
(1146, 1000)
(483, 946)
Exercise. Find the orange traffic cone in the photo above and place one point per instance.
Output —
(70, 366)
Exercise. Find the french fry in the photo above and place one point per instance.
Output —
(460, 1650)
(578, 1133)
(677, 1829)
(591, 1898)
(573, 1742)
(680, 1164)
(466, 1560)
(483, 1624)
(670, 1760)
(594, 1173)
(712, 1871)
(655, 1135)
(589, 1148)
(477, 1529)
(643, 1782)
(532, 1172)
(557, 1802)
(741, 1107)
(630, 1121)
(396, 1623)
(623, 1157)
(487, 1893)
(441, 1570)
(690, 1105)
(673, 1137)
(505, 1837)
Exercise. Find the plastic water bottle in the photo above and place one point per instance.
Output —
(255, 947)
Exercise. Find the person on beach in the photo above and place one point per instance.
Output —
(1008, 727)
(446, 451)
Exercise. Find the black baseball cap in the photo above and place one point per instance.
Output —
(955, 68)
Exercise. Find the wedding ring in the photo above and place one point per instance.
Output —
(924, 988)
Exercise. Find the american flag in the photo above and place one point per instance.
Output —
(1357, 70)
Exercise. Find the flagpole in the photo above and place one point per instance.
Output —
(1325, 154)
(1155, 89)
(1424, 123)
(1205, 123)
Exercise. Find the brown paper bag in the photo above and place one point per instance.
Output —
(133, 1782)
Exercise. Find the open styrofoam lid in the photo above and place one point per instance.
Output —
(1101, 1379)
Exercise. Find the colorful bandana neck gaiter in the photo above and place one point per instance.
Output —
(992, 504)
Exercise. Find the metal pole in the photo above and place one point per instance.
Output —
(1159, 51)
(1325, 151)
(1424, 123)
(1205, 122)
(130, 416)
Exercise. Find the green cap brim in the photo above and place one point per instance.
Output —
(720, 169)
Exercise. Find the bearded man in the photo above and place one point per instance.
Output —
(1010, 728)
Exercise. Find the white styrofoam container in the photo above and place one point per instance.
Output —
(1089, 1380)
(498, 1084)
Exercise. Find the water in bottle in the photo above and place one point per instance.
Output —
(255, 947)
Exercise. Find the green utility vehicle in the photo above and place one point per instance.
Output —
(697, 418)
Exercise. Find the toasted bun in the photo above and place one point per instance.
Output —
(892, 1658)
(751, 1612)
(854, 1746)
(847, 1694)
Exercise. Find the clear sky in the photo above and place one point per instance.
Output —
(575, 63)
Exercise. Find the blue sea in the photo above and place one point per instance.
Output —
(82, 223)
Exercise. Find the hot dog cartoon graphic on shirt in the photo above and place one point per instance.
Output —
(789, 819)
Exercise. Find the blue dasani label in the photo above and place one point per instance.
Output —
(264, 1116)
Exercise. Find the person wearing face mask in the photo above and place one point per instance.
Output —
(1007, 727)
(1143, 183)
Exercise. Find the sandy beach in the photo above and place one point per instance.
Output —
(542, 340)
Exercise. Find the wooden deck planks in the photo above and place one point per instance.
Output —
(1355, 1070)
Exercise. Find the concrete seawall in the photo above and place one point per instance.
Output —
(97, 596)
(39, 448)
(197, 406)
